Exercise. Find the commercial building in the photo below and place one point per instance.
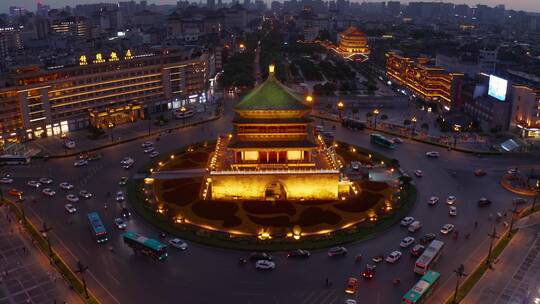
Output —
(103, 90)
(525, 118)
(430, 83)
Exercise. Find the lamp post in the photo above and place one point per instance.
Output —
(44, 234)
(493, 236)
(340, 107)
(413, 120)
(82, 269)
(375, 115)
(183, 111)
(111, 128)
(460, 272)
(457, 131)
(149, 124)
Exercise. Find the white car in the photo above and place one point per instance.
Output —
(393, 256)
(85, 194)
(451, 200)
(66, 186)
(72, 198)
(178, 243)
(6, 180)
(80, 163)
(397, 140)
(127, 166)
(418, 173)
(120, 196)
(154, 154)
(70, 208)
(119, 223)
(452, 210)
(45, 180)
(406, 242)
(265, 265)
(447, 228)
(33, 183)
(147, 144)
(48, 192)
(432, 154)
(433, 200)
(149, 149)
(127, 160)
(406, 221)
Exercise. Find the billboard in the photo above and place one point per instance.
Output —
(497, 87)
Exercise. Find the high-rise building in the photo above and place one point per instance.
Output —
(42, 10)
(15, 11)
(393, 8)
(211, 4)
(525, 118)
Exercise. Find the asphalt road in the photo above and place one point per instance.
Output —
(209, 275)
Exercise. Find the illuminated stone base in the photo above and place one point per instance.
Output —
(287, 186)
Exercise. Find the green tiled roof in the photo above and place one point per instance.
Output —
(271, 95)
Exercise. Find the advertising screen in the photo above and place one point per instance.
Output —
(497, 87)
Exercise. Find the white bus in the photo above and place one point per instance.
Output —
(14, 160)
(429, 257)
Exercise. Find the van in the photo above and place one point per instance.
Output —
(414, 226)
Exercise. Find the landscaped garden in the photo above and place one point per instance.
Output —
(176, 205)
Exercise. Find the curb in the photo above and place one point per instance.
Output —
(132, 139)
(418, 140)
(519, 191)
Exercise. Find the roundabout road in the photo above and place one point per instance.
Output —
(209, 275)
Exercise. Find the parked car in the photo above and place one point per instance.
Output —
(33, 183)
(45, 180)
(6, 180)
(149, 149)
(66, 186)
(85, 194)
(178, 243)
(406, 221)
(337, 251)
(72, 198)
(393, 257)
(147, 144)
(265, 265)
(447, 228)
(153, 154)
(48, 192)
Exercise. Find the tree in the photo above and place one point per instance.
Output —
(424, 126)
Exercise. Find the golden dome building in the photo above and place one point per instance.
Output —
(353, 44)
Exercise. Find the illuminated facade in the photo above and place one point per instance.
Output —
(116, 87)
(272, 155)
(427, 82)
(526, 110)
(353, 44)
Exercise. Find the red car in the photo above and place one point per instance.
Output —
(369, 271)
(479, 172)
(15, 192)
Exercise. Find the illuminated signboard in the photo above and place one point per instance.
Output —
(497, 87)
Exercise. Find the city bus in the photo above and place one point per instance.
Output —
(145, 245)
(14, 160)
(380, 140)
(422, 289)
(98, 229)
(429, 257)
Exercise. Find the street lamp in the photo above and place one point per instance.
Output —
(457, 130)
(493, 236)
(413, 120)
(375, 114)
(111, 128)
(460, 272)
(340, 106)
(183, 111)
(309, 99)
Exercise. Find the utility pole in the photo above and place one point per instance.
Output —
(44, 234)
(82, 269)
(460, 273)
(493, 236)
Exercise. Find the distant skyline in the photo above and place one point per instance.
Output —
(526, 5)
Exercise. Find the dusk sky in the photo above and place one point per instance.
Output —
(527, 5)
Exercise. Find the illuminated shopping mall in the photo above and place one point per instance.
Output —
(272, 153)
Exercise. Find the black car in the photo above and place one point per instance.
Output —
(298, 253)
(484, 202)
(257, 256)
(126, 213)
(428, 238)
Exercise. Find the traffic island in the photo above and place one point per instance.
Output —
(172, 199)
(518, 185)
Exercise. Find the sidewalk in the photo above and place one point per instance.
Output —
(53, 145)
(514, 278)
(25, 273)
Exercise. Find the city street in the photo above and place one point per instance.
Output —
(208, 275)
